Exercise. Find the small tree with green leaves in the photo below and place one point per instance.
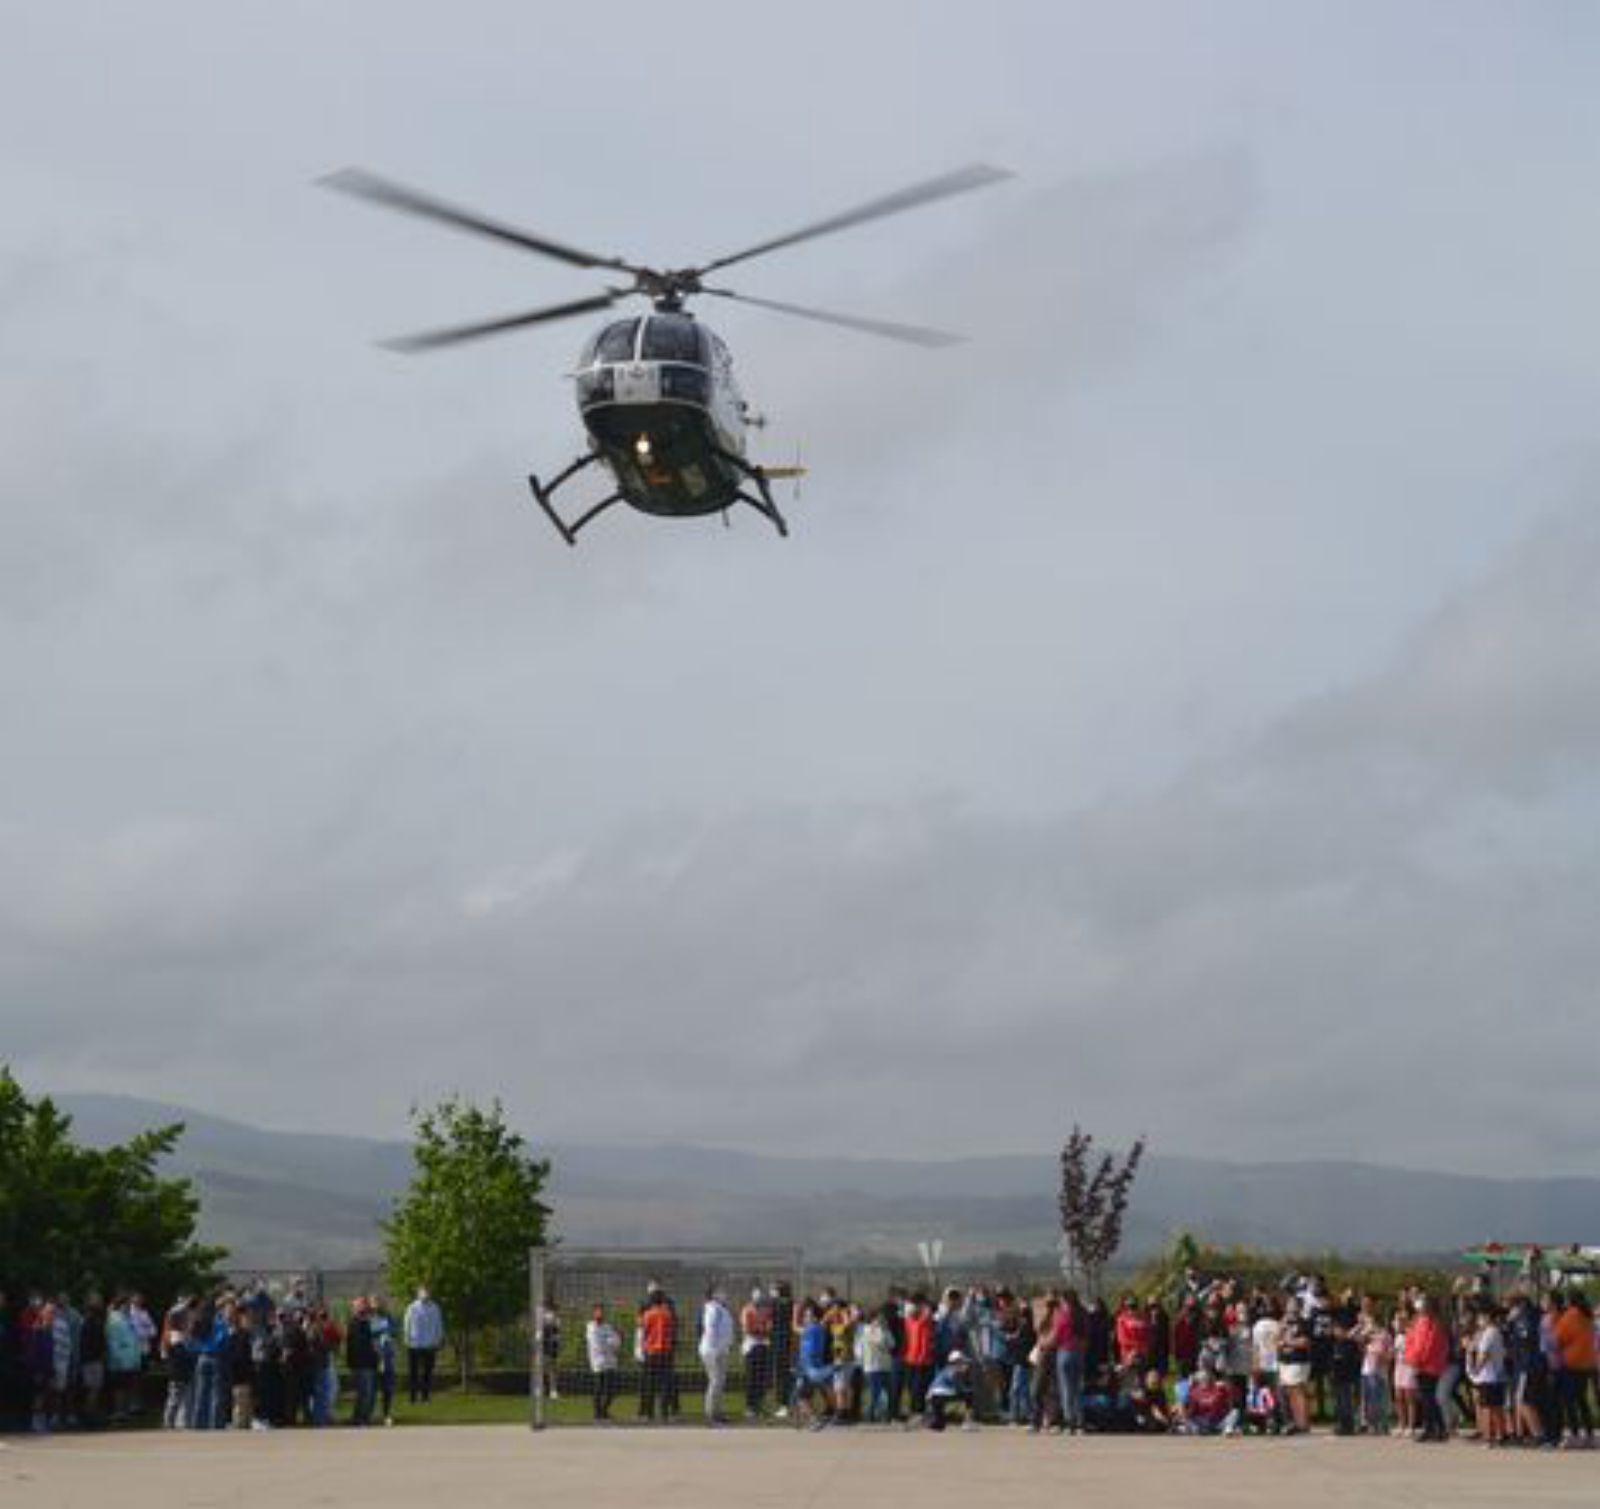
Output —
(465, 1226)
(78, 1218)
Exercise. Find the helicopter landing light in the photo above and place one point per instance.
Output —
(642, 447)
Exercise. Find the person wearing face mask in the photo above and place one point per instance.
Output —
(1428, 1353)
(755, 1347)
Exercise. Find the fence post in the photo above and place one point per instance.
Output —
(536, 1362)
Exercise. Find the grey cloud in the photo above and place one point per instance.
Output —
(1264, 945)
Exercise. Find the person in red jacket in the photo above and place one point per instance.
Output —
(1428, 1354)
(918, 1350)
(1133, 1334)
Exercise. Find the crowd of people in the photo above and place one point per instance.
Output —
(1215, 1357)
(240, 1358)
(1220, 1358)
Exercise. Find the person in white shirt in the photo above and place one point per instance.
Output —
(716, 1341)
(1264, 1346)
(604, 1342)
(1486, 1370)
(424, 1328)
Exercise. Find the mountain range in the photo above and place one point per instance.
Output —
(289, 1199)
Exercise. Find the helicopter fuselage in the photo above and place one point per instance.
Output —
(663, 412)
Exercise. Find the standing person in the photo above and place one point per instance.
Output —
(148, 1332)
(241, 1366)
(894, 1312)
(657, 1338)
(1241, 1351)
(1294, 1367)
(1377, 1358)
(1097, 1347)
(382, 1324)
(266, 1361)
(1344, 1363)
(755, 1347)
(208, 1338)
(361, 1357)
(92, 1359)
(603, 1342)
(1264, 1345)
(844, 1332)
(550, 1350)
(180, 1365)
(877, 1365)
(1407, 1416)
(298, 1366)
(123, 1355)
(326, 1338)
(1045, 1391)
(813, 1372)
(1073, 1332)
(1486, 1371)
(1454, 1318)
(716, 1342)
(1529, 1399)
(424, 1328)
(1428, 1353)
(1574, 1335)
(919, 1352)
(1022, 1336)
(783, 1317)
(65, 1323)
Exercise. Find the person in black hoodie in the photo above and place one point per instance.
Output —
(242, 1366)
(1344, 1363)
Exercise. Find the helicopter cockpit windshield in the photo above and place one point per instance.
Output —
(670, 357)
(674, 338)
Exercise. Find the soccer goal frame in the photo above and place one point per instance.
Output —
(565, 1282)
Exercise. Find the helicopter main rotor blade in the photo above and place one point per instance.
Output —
(454, 335)
(396, 196)
(916, 335)
(975, 176)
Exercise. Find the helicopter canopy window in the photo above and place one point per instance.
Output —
(673, 338)
(616, 342)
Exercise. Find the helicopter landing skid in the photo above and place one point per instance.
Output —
(763, 505)
(544, 495)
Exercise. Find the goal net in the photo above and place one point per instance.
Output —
(617, 1334)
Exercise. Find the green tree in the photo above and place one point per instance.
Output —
(466, 1225)
(77, 1218)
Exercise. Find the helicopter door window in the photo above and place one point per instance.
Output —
(616, 342)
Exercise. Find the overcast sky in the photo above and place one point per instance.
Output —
(1176, 710)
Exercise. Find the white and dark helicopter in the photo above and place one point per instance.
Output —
(657, 392)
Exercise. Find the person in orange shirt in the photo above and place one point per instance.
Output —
(1574, 1335)
(657, 1338)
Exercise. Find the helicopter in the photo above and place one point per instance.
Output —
(656, 392)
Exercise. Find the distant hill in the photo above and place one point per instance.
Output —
(281, 1199)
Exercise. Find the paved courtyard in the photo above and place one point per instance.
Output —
(482, 1467)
